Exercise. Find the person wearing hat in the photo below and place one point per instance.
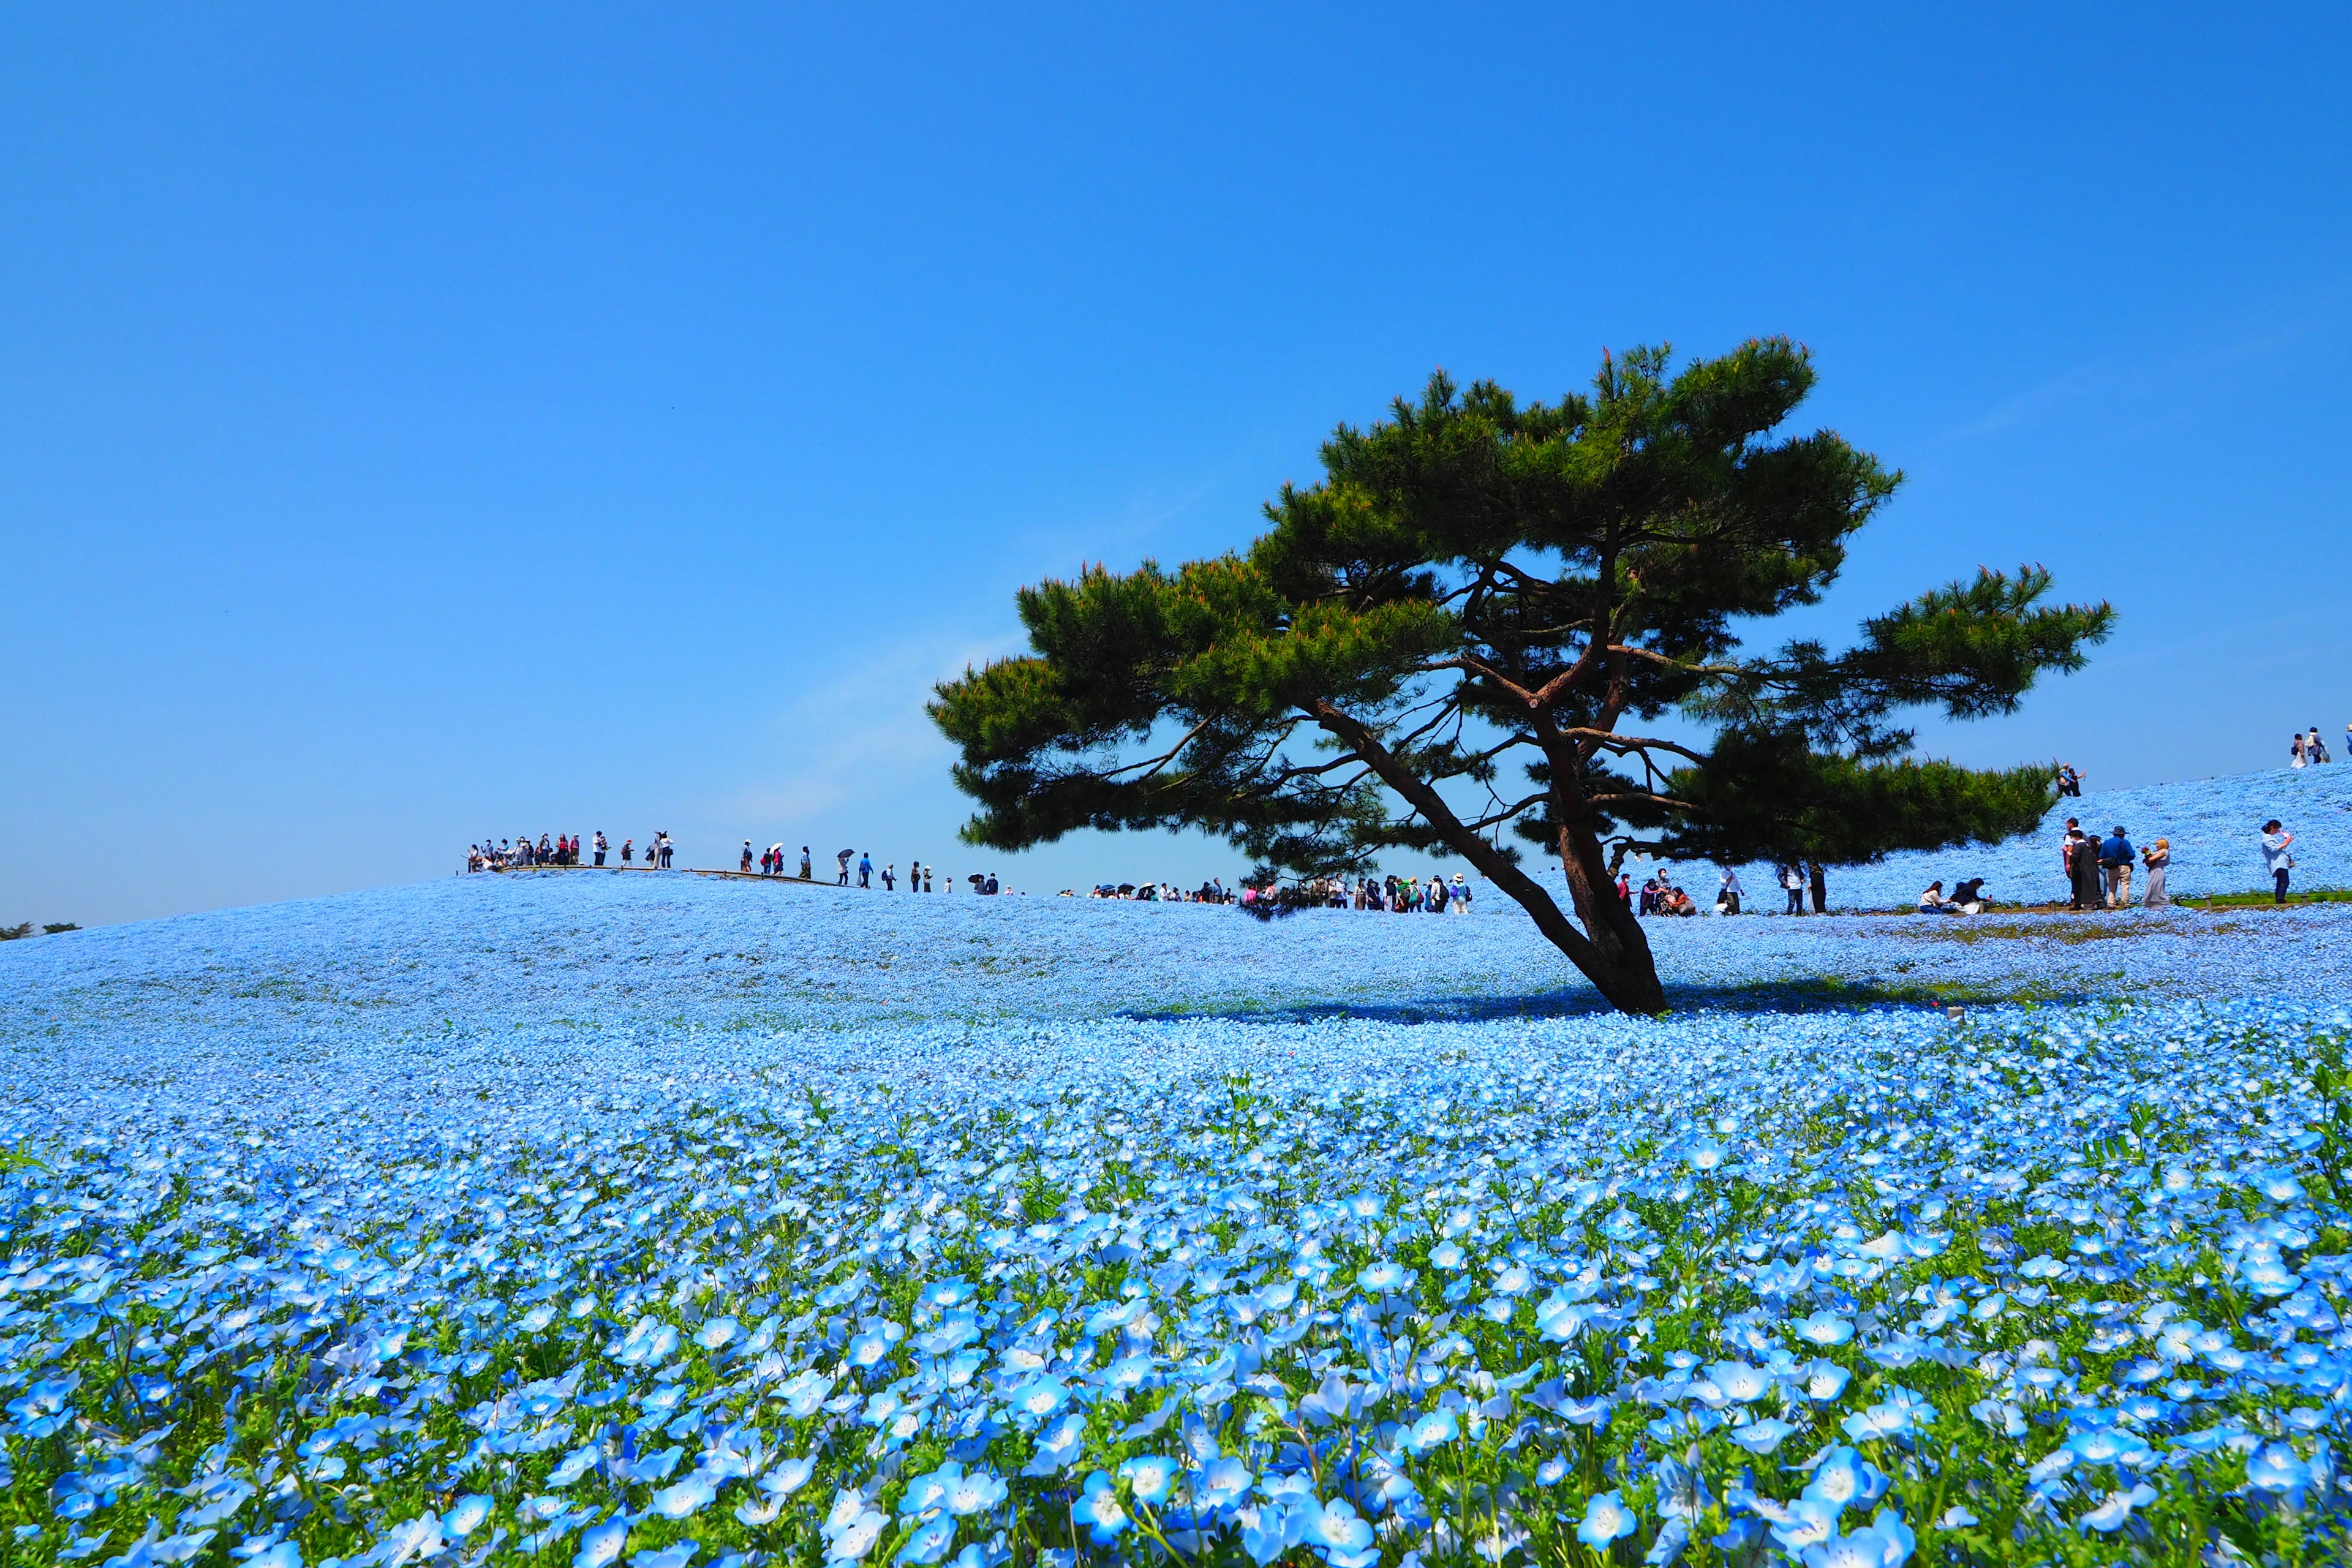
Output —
(2115, 856)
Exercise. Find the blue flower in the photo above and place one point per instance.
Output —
(1606, 1519)
(1098, 1509)
(1885, 1543)
(929, 1542)
(1150, 1478)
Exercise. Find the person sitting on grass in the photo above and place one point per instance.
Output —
(1967, 897)
(1931, 899)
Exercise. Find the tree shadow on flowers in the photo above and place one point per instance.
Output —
(1827, 994)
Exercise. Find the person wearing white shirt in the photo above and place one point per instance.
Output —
(2275, 856)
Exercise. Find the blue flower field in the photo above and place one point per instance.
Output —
(579, 1219)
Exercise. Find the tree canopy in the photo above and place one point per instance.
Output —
(1491, 615)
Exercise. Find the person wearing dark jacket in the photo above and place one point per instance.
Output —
(2082, 871)
(2116, 854)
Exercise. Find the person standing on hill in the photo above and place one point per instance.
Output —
(2070, 780)
(890, 877)
(2294, 751)
(804, 864)
(865, 871)
(601, 846)
(2276, 859)
(2083, 870)
(840, 868)
(744, 865)
(2116, 861)
(2314, 747)
(2156, 858)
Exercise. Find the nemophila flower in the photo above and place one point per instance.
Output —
(1606, 1519)
(601, 1544)
(1430, 1432)
(687, 1498)
(974, 1492)
(1844, 1477)
(1221, 1483)
(1738, 1382)
(2276, 1469)
(856, 1538)
(1098, 1509)
(2115, 1512)
(1333, 1529)
(1040, 1397)
(1825, 1381)
(1150, 1478)
(1825, 1329)
(464, 1516)
(1885, 1542)
(929, 1542)
(1384, 1276)
(1762, 1436)
(1801, 1525)
(716, 1333)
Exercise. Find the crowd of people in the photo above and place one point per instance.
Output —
(2098, 871)
(564, 849)
(1211, 891)
(920, 878)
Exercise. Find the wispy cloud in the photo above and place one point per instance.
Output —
(2030, 404)
(864, 732)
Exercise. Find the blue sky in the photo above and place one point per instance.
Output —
(467, 420)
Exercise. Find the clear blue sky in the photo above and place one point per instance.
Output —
(446, 421)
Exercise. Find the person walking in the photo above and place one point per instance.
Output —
(2115, 856)
(2276, 858)
(890, 877)
(864, 870)
(2314, 748)
(2156, 857)
(1792, 882)
(2294, 751)
(840, 868)
(804, 864)
(744, 866)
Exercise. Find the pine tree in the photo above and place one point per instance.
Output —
(1489, 614)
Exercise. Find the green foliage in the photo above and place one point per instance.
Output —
(15, 932)
(1474, 621)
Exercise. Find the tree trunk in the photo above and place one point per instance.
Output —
(1615, 930)
(1623, 970)
(1821, 887)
